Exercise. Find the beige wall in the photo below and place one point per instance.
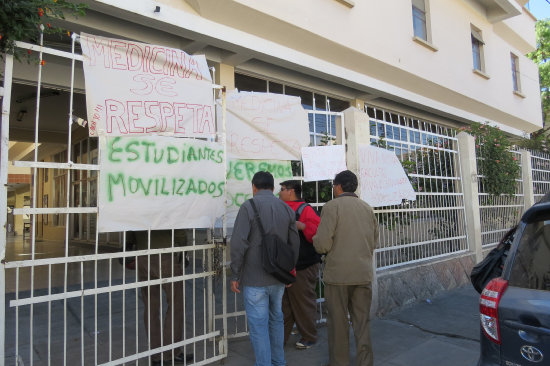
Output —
(375, 38)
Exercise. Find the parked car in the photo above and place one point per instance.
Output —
(515, 308)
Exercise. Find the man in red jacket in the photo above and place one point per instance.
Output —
(299, 300)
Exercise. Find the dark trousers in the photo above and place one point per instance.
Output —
(355, 300)
(300, 306)
(161, 324)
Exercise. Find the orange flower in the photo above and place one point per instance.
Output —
(49, 25)
(40, 11)
(42, 62)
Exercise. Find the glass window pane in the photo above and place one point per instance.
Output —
(530, 269)
(275, 87)
(249, 83)
(338, 105)
(373, 127)
(419, 23)
(320, 102)
(306, 96)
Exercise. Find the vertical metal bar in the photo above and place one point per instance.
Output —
(49, 315)
(225, 161)
(148, 292)
(224, 299)
(67, 197)
(123, 295)
(161, 312)
(34, 188)
(4, 147)
(16, 315)
(98, 192)
(82, 313)
(136, 322)
(110, 310)
(172, 290)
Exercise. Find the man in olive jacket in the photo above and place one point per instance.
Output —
(348, 235)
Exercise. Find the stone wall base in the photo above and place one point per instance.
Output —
(406, 285)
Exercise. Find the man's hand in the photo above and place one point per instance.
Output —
(235, 287)
(300, 225)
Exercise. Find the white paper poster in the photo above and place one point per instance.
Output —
(323, 162)
(157, 182)
(239, 181)
(265, 126)
(382, 177)
(134, 88)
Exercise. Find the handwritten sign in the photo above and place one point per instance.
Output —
(158, 182)
(239, 181)
(265, 126)
(323, 162)
(382, 178)
(135, 88)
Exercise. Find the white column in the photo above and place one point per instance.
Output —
(527, 180)
(468, 167)
(357, 131)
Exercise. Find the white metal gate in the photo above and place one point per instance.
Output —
(72, 300)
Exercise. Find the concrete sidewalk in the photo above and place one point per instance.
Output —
(443, 330)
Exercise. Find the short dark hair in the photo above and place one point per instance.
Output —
(294, 185)
(263, 180)
(347, 180)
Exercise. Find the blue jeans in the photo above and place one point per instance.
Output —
(265, 323)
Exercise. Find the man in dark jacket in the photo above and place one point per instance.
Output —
(262, 292)
(299, 300)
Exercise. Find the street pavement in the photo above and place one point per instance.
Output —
(443, 330)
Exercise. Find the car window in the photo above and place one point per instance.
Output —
(531, 267)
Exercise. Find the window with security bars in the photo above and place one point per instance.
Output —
(322, 125)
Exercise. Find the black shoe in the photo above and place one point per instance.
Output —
(183, 358)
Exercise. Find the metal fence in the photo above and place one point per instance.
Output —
(499, 214)
(70, 303)
(540, 169)
(434, 224)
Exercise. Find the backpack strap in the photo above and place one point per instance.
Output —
(257, 216)
(300, 209)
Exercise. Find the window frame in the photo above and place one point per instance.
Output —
(420, 15)
(478, 45)
(516, 74)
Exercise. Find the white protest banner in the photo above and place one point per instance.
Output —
(157, 182)
(323, 162)
(239, 181)
(135, 88)
(265, 126)
(382, 177)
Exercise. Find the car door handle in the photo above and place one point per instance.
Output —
(527, 328)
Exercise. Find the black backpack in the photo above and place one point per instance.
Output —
(491, 267)
(307, 256)
(277, 254)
